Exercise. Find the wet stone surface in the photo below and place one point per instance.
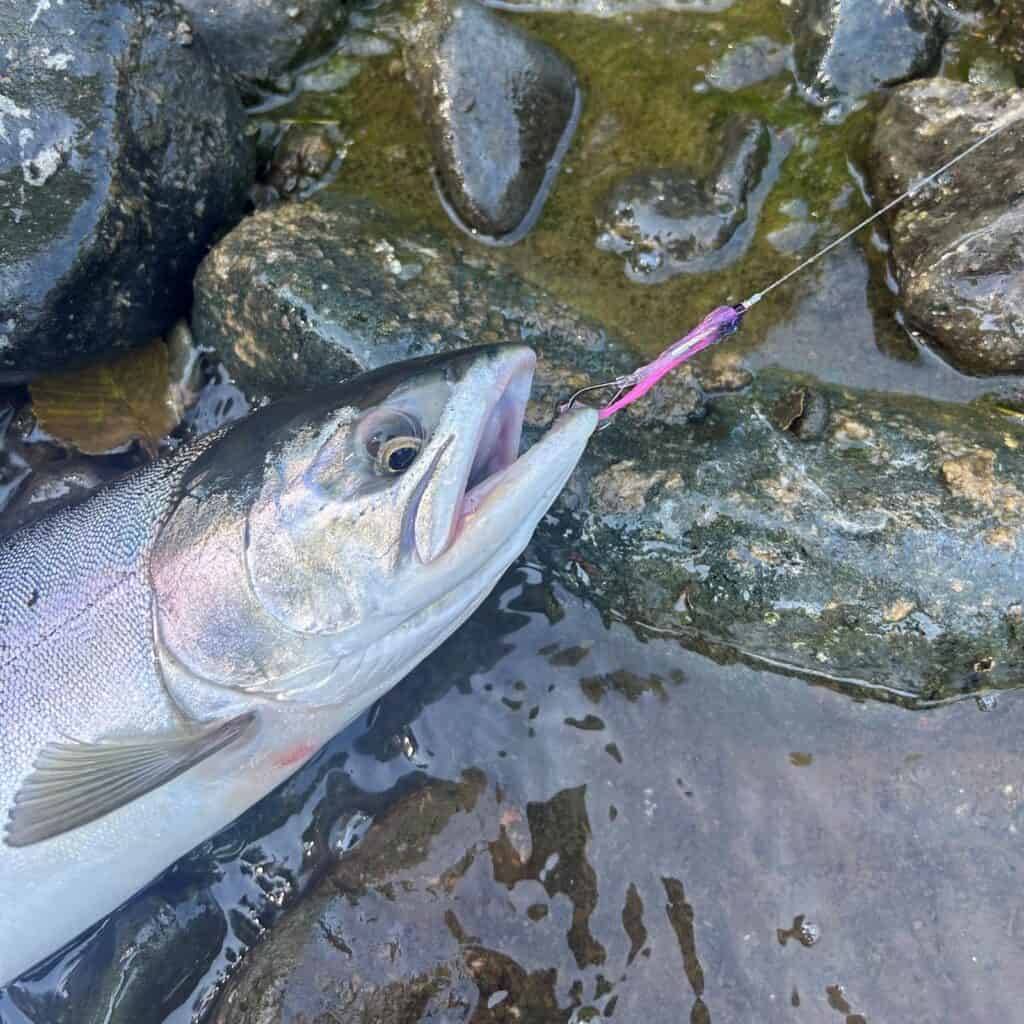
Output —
(263, 39)
(667, 222)
(956, 245)
(350, 287)
(500, 108)
(306, 158)
(112, 185)
(747, 63)
(846, 49)
(866, 541)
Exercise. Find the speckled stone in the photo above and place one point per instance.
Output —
(956, 245)
(113, 183)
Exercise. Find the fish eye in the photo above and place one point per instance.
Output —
(391, 438)
(398, 454)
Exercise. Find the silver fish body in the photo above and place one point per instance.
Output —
(182, 641)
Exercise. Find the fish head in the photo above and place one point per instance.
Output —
(381, 512)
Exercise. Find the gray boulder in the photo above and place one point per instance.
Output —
(846, 49)
(870, 541)
(957, 244)
(500, 108)
(865, 540)
(350, 288)
(122, 155)
(262, 39)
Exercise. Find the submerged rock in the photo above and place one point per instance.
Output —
(747, 63)
(500, 108)
(151, 980)
(668, 221)
(306, 159)
(957, 244)
(380, 939)
(846, 49)
(865, 540)
(122, 154)
(262, 39)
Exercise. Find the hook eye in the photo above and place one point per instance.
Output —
(620, 384)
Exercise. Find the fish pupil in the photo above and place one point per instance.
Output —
(400, 459)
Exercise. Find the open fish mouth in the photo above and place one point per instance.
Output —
(507, 493)
(481, 500)
(501, 434)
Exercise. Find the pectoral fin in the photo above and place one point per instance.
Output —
(75, 783)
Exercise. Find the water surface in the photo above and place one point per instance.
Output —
(706, 842)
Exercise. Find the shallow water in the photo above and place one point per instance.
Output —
(686, 813)
(650, 101)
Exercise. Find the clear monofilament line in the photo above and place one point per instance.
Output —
(913, 190)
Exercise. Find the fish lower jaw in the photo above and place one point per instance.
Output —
(511, 502)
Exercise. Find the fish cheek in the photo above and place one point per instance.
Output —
(295, 566)
(206, 616)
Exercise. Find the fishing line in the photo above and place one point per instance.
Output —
(726, 320)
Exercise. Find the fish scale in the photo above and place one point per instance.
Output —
(80, 577)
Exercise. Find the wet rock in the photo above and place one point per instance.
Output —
(803, 412)
(390, 936)
(846, 49)
(277, 983)
(310, 292)
(669, 221)
(262, 39)
(152, 980)
(871, 540)
(788, 523)
(956, 245)
(747, 63)
(122, 154)
(500, 108)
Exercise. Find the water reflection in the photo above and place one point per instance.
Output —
(554, 821)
